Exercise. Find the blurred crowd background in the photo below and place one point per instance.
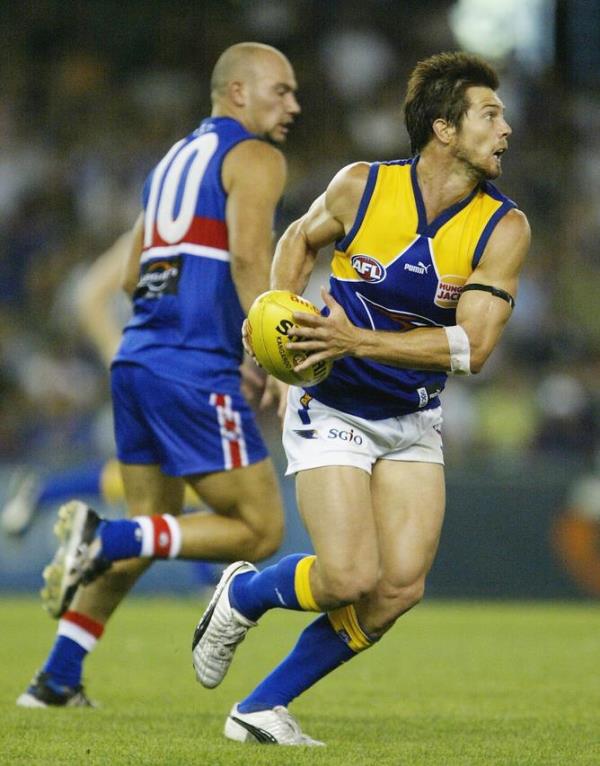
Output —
(94, 92)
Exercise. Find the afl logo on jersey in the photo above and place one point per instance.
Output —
(448, 291)
(368, 268)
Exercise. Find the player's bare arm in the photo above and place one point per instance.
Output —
(480, 314)
(94, 291)
(329, 217)
(483, 315)
(254, 175)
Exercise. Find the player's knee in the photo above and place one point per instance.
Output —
(265, 544)
(392, 601)
(400, 597)
(266, 537)
(273, 538)
(348, 585)
(411, 595)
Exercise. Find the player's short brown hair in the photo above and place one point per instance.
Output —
(436, 89)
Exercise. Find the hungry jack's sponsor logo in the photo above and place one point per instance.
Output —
(448, 291)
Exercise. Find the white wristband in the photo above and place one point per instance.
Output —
(460, 350)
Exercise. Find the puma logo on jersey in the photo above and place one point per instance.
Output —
(420, 268)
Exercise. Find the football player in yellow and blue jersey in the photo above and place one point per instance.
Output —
(424, 277)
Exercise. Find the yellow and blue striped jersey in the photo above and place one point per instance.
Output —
(395, 271)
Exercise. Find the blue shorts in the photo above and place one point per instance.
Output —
(179, 427)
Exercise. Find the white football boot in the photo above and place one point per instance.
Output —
(77, 559)
(220, 631)
(267, 727)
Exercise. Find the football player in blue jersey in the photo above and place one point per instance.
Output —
(424, 274)
(101, 308)
(200, 253)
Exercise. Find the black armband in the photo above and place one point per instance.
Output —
(495, 291)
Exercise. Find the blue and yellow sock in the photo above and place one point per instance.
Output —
(285, 585)
(323, 646)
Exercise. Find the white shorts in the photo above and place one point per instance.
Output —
(315, 435)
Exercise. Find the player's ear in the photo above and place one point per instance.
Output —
(443, 130)
(237, 92)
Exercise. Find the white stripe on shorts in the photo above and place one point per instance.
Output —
(235, 454)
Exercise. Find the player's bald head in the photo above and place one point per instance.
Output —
(241, 62)
(255, 84)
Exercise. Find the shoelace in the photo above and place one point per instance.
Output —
(229, 636)
(225, 650)
(226, 642)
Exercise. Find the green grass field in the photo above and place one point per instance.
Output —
(454, 683)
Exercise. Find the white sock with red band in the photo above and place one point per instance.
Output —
(81, 629)
(161, 536)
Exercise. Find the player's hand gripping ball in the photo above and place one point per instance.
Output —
(269, 322)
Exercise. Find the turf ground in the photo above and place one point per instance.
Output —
(454, 683)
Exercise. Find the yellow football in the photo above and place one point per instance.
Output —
(269, 323)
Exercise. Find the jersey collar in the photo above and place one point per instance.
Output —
(431, 229)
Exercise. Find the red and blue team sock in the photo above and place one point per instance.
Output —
(143, 536)
(323, 646)
(77, 635)
(285, 585)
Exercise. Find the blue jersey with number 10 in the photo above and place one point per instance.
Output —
(187, 317)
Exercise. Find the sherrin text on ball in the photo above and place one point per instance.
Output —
(269, 322)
